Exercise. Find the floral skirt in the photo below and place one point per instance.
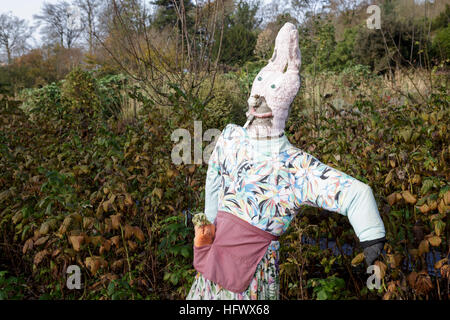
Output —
(265, 284)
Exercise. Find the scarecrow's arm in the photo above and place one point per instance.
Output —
(320, 185)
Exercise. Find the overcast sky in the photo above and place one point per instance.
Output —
(24, 9)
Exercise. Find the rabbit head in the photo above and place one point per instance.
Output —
(279, 81)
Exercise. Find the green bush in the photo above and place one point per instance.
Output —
(112, 202)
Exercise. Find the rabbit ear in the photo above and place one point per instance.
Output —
(274, 56)
(295, 59)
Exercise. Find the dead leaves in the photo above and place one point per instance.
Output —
(440, 263)
(445, 271)
(41, 240)
(423, 247)
(95, 263)
(40, 256)
(115, 221)
(394, 260)
(27, 246)
(408, 197)
(358, 259)
(421, 283)
(382, 267)
(394, 198)
(435, 241)
(139, 234)
(391, 289)
(158, 192)
(105, 247)
(115, 241)
(133, 231)
(128, 232)
(76, 242)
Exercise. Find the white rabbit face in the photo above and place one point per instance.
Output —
(278, 82)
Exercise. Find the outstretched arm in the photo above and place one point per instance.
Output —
(323, 186)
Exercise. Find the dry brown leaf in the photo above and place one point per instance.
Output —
(392, 285)
(56, 252)
(416, 179)
(433, 205)
(121, 203)
(107, 225)
(40, 256)
(392, 198)
(392, 163)
(445, 271)
(115, 221)
(442, 208)
(358, 259)
(27, 246)
(41, 240)
(106, 205)
(387, 296)
(382, 267)
(76, 242)
(128, 200)
(440, 263)
(394, 260)
(97, 240)
(106, 246)
(45, 228)
(95, 263)
(65, 225)
(99, 211)
(139, 234)
(115, 241)
(409, 198)
(88, 222)
(423, 283)
(423, 247)
(158, 192)
(412, 277)
(117, 265)
(424, 208)
(414, 253)
(446, 198)
(435, 241)
(389, 177)
(129, 230)
(132, 246)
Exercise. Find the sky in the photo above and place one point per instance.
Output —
(24, 9)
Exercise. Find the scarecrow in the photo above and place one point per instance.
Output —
(256, 183)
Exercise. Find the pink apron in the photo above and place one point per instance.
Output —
(232, 258)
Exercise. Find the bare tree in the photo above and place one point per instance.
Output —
(179, 56)
(89, 18)
(61, 21)
(14, 33)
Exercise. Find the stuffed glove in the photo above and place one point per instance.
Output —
(204, 230)
(373, 250)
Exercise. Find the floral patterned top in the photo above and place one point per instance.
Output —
(265, 182)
